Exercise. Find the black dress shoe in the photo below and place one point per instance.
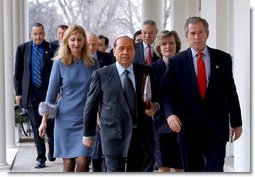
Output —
(50, 157)
(40, 165)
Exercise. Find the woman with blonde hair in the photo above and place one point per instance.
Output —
(70, 78)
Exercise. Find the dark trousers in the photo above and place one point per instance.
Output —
(205, 155)
(97, 158)
(35, 120)
(136, 161)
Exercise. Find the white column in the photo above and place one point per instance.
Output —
(3, 162)
(181, 11)
(217, 15)
(23, 21)
(240, 46)
(8, 65)
(252, 2)
(153, 9)
(16, 25)
(230, 31)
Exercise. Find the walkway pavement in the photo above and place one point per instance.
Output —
(25, 160)
(22, 159)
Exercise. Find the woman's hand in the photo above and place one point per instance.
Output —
(43, 127)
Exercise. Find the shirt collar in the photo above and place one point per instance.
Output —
(145, 46)
(34, 44)
(121, 69)
(194, 52)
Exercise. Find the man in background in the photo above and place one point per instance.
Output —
(31, 78)
(144, 50)
(103, 58)
(60, 33)
(103, 43)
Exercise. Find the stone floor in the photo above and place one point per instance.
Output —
(22, 160)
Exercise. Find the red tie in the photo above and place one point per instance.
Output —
(201, 74)
(148, 58)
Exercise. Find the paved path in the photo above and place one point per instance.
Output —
(25, 160)
(26, 155)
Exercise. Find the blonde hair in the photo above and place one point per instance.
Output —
(64, 53)
(162, 36)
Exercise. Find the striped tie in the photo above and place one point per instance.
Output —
(37, 67)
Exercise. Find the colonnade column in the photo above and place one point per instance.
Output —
(181, 11)
(240, 48)
(227, 20)
(216, 14)
(8, 65)
(3, 163)
(23, 21)
(154, 10)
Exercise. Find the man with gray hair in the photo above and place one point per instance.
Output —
(144, 53)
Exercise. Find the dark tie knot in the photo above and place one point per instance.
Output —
(126, 72)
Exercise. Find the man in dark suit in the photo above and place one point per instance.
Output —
(201, 116)
(126, 131)
(104, 58)
(149, 31)
(60, 33)
(31, 86)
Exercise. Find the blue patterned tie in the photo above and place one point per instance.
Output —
(37, 67)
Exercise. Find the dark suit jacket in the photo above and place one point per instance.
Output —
(22, 76)
(55, 43)
(139, 54)
(104, 59)
(116, 122)
(160, 123)
(202, 118)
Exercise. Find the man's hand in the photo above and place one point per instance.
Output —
(154, 107)
(18, 99)
(43, 127)
(88, 141)
(236, 133)
(174, 123)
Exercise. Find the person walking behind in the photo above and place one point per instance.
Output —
(144, 53)
(60, 33)
(167, 153)
(70, 77)
(31, 78)
(103, 43)
(200, 100)
(126, 127)
(137, 36)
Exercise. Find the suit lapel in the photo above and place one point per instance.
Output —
(138, 79)
(190, 78)
(141, 52)
(28, 55)
(115, 80)
(214, 67)
(46, 53)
